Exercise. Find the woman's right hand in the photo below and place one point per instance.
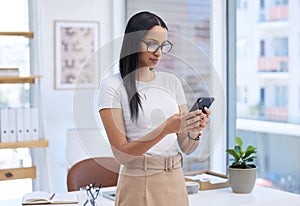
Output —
(180, 123)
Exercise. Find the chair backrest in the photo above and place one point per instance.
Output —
(101, 170)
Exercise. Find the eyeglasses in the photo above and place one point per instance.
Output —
(165, 47)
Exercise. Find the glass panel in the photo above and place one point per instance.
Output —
(15, 158)
(15, 53)
(276, 169)
(17, 13)
(14, 96)
(268, 78)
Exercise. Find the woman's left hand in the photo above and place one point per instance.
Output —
(204, 118)
(202, 121)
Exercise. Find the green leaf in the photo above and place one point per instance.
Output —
(248, 153)
(239, 141)
(233, 153)
(238, 149)
(251, 148)
(250, 159)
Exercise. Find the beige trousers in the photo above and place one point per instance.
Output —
(152, 181)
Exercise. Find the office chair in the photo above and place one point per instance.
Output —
(101, 170)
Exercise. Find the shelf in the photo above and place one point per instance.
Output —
(29, 144)
(17, 79)
(25, 34)
(17, 173)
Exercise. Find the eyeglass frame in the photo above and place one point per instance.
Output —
(158, 46)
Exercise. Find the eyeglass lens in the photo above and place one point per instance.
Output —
(165, 47)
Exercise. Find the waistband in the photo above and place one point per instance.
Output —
(167, 164)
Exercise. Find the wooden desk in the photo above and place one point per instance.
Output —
(260, 196)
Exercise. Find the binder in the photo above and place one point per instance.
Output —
(12, 136)
(20, 125)
(34, 123)
(4, 125)
(27, 124)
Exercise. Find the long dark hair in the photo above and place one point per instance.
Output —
(137, 27)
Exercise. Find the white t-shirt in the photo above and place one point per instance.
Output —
(160, 99)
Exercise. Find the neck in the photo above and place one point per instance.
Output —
(145, 74)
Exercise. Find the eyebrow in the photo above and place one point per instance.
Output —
(156, 41)
(152, 40)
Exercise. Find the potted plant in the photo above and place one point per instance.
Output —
(242, 171)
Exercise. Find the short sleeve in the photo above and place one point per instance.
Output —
(180, 96)
(109, 95)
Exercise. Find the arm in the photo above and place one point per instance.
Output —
(126, 151)
(186, 144)
(123, 150)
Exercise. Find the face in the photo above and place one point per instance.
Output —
(157, 35)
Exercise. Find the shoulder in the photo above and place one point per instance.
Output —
(167, 76)
(112, 81)
(113, 78)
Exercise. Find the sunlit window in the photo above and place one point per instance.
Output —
(15, 53)
(270, 72)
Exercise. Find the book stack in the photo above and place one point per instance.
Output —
(9, 72)
(18, 125)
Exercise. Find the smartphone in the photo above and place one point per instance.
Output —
(202, 102)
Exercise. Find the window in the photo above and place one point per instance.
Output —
(262, 97)
(15, 52)
(281, 46)
(271, 107)
(242, 96)
(262, 4)
(281, 2)
(283, 67)
(242, 4)
(262, 48)
(281, 94)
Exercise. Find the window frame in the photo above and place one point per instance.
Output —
(231, 71)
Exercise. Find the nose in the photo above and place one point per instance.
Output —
(158, 52)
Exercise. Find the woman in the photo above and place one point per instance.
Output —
(145, 116)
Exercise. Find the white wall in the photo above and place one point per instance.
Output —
(57, 105)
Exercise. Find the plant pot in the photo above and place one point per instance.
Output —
(242, 180)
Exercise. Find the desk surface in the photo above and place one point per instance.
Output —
(260, 196)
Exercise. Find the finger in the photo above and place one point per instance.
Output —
(208, 112)
(204, 122)
(203, 125)
(193, 120)
(192, 129)
(193, 113)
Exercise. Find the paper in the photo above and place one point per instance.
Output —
(41, 197)
(207, 178)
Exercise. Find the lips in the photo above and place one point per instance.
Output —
(154, 60)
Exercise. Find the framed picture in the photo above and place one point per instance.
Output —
(75, 62)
